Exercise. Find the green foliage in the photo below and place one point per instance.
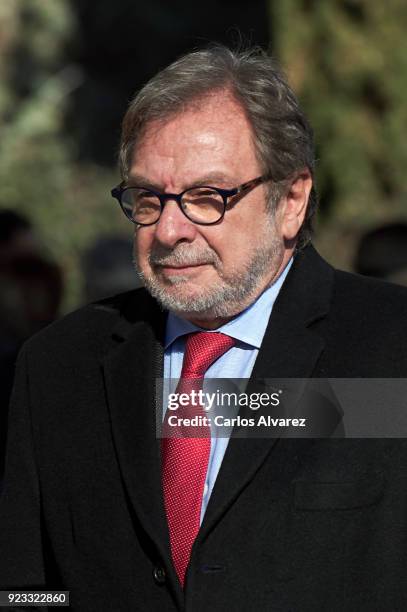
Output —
(347, 60)
(68, 202)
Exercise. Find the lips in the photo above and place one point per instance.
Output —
(186, 263)
(181, 271)
(183, 266)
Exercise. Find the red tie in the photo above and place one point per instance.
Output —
(185, 459)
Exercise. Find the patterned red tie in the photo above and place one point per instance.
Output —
(185, 459)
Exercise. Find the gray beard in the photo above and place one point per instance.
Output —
(225, 298)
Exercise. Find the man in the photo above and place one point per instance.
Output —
(217, 164)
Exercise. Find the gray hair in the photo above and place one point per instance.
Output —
(283, 137)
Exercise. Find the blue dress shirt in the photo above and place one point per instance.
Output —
(248, 329)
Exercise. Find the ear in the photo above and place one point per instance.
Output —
(293, 205)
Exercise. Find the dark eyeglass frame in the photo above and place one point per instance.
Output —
(226, 194)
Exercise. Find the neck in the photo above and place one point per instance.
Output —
(212, 323)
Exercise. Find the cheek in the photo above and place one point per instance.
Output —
(235, 249)
(238, 242)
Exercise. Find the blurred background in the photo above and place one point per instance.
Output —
(68, 69)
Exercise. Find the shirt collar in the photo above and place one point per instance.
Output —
(248, 327)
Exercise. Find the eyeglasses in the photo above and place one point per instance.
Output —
(203, 205)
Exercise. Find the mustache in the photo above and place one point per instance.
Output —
(183, 255)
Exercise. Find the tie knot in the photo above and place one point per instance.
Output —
(202, 349)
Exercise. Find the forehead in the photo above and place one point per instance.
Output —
(210, 135)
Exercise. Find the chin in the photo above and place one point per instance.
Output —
(177, 298)
(195, 303)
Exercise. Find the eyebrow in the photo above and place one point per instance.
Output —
(213, 178)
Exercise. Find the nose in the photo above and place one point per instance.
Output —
(173, 226)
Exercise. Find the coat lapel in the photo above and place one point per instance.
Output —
(131, 369)
(290, 350)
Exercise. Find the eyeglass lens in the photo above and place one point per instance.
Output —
(201, 205)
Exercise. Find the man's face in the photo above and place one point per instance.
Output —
(206, 274)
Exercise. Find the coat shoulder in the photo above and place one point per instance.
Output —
(365, 328)
(374, 300)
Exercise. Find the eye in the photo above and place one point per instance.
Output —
(145, 201)
(201, 197)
